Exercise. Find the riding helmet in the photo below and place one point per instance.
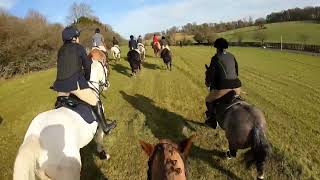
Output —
(97, 30)
(221, 43)
(70, 32)
(131, 36)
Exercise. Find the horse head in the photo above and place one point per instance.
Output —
(166, 159)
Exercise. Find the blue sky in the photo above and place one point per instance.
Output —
(142, 16)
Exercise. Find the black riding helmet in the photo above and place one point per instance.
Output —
(97, 30)
(131, 36)
(221, 43)
(70, 32)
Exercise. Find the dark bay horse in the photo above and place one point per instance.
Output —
(156, 48)
(134, 60)
(245, 127)
(166, 159)
(167, 58)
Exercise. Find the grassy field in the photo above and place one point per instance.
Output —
(163, 104)
(290, 32)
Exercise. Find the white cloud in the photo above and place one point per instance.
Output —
(7, 4)
(176, 13)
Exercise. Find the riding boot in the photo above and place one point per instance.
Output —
(98, 110)
(211, 116)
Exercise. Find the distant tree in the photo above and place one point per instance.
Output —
(260, 36)
(260, 22)
(238, 36)
(211, 37)
(199, 37)
(79, 10)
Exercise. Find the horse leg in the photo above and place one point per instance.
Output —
(99, 141)
(232, 152)
(170, 66)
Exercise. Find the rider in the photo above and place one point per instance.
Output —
(115, 42)
(132, 43)
(225, 78)
(72, 58)
(155, 39)
(164, 43)
(139, 39)
(98, 40)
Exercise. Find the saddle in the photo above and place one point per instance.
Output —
(223, 104)
(75, 104)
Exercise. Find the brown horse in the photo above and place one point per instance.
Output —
(244, 125)
(156, 48)
(166, 159)
(98, 55)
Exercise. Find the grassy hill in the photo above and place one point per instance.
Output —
(163, 104)
(290, 32)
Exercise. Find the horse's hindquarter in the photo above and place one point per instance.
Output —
(238, 123)
(62, 125)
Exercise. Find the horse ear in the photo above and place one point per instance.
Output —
(185, 146)
(206, 66)
(148, 148)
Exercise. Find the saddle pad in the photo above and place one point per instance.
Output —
(84, 111)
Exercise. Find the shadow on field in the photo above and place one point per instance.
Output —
(213, 158)
(1, 119)
(121, 69)
(163, 123)
(89, 168)
(150, 66)
(169, 125)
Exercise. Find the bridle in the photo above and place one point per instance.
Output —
(161, 147)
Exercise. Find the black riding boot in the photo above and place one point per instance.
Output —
(98, 110)
(211, 116)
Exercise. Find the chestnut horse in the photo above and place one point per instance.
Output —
(156, 48)
(166, 159)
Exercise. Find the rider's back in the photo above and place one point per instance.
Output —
(97, 40)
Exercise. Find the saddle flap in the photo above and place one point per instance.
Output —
(75, 104)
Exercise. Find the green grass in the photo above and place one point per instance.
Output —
(163, 104)
(290, 32)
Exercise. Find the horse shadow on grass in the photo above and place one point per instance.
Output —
(165, 124)
(1, 119)
(90, 170)
(150, 66)
(121, 69)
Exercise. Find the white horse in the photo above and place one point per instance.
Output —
(51, 146)
(142, 51)
(115, 51)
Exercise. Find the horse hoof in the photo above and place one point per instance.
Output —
(228, 155)
(260, 177)
(103, 155)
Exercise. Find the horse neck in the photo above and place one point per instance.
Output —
(98, 74)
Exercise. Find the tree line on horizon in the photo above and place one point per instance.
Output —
(208, 32)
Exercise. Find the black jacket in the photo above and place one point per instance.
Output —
(133, 44)
(224, 71)
(73, 68)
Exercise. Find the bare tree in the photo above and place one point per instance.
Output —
(238, 36)
(79, 10)
(211, 37)
(260, 36)
(260, 22)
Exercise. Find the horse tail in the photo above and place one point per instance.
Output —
(260, 148)
(26, 161)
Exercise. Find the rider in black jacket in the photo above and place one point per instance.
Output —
(73, 72)
(223, 74)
